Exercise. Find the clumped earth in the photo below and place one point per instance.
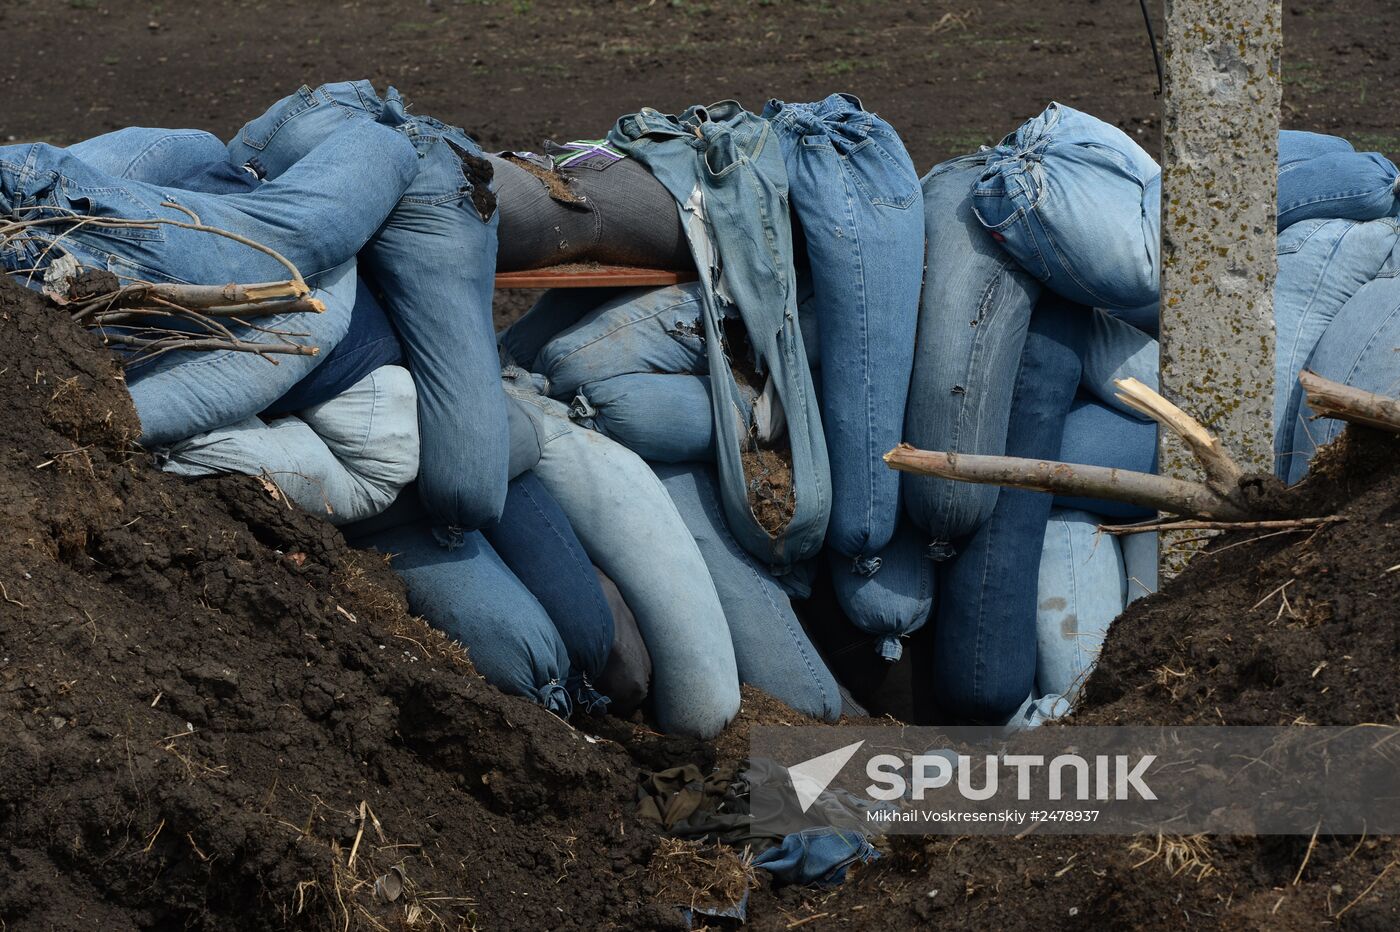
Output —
(217, 715)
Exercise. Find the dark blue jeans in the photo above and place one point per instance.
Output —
(534, 538)
(984, 658)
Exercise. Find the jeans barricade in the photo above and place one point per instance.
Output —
(728, 178)
(1323, 177)
(1322, 265)
(770, 646)
(434, 261)
(1078, 204)
(855, 194)
(973, 314)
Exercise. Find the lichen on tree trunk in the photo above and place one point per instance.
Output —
(1219, 191)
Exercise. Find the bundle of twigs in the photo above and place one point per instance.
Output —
(148, 319)
(1220, 501)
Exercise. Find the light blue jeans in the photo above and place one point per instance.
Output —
(1360, 348)
(662, 418)
(855, 193)
(434, 259)
(156, 156)
(973, 314)
(1323, 177)
(632, 532)
(317, 216)
(726, 173)
(770, 646)
(1078, 204)
(1322, 264)
(345, 459)
(1082, 588)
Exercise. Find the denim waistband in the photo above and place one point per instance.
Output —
(809, 117)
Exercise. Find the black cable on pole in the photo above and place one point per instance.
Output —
(1156, 56)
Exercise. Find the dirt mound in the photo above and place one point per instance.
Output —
(1261, 629)
(219, 716)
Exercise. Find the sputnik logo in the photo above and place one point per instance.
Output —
(811, 777)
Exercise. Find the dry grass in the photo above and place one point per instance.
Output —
(1179, 854)
(690, 873)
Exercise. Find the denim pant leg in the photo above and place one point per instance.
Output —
(1140, 559)
(1359, 349)
(984, 658)
(346, 459)
(556, 310)
(534, 538)
(643, 330)
(180, 394)
(896, 601)
(661, 418)
(972, 324)
(632, 531)
(434, 259)
(770, 646)
(1097, 435)
(470, 595)
(1321, 265)
(1114, 349)
(856, 195)
(1081, 590)
(155, 156)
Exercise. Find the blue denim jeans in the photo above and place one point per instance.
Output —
(1078, 204)
(555, 311)
(1097, 435)
(726, 172)
(661, 418)
(896, 601)
(535, 540)
(633, 533)
(770, 646)
(973, 314)
(346, 459)
(165, 157)
(1323, 177)
(470, 594)
(433, 260)
(317, 216)
(1322, 264)
(640, 330)
(1360, 348)
(855, 194)
(984, 639)
(1081, 590)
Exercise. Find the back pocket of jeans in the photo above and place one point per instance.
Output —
(880, 177)
(258, 133)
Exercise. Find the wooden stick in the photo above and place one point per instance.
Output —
(1160, 493)
(200, 296)
(1353, 405)
(213, 343)
(1170, 525)
(1222, 473)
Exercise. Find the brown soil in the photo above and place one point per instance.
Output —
(554, 181)
(219, 716)
(1218, 645)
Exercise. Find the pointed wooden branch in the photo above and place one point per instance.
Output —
(1222, 473)
(1353, 405)
(1160, 493)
